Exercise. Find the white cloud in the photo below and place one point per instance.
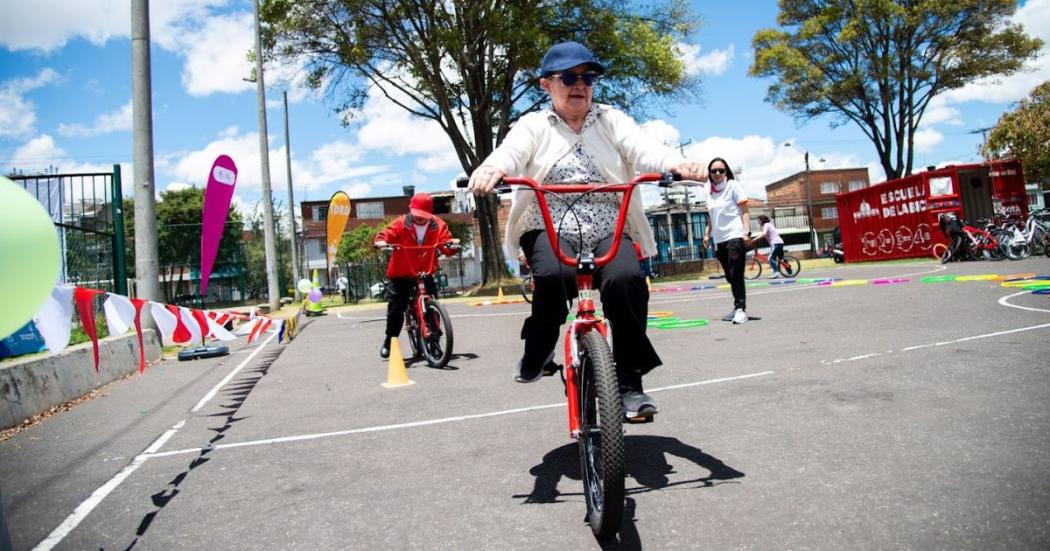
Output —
(117, 121)
(392, 130)
(335, 162)
(17, 114)
(216, 55)
(43, 155)
(938, 112)
(927, 139)
(714, 62)
(1034, 17)
(662, 132)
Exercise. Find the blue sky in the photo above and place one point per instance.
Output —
(65, 92)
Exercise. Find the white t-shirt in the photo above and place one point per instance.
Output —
(724, 209)
(421, 232)
(771, 234)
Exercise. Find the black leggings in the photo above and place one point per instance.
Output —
(399, 291)
(731, 255)
(625, 303)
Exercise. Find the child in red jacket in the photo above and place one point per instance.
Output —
(418, 228)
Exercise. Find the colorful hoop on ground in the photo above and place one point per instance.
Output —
(983, 277)
(937, 253)
(681, 324)
(938, 279)
(890, 281)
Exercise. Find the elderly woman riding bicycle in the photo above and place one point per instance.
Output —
(578, 141)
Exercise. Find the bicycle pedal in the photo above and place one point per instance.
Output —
(640, 419)
(551, 370)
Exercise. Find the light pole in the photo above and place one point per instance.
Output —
(264, 157)
(291, 198)
(809, 197)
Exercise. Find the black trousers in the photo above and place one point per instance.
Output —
(731, 255)
(399, 292)
(624, 296)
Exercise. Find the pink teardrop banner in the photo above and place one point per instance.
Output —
(217, 196)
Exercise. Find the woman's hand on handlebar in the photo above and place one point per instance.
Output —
(691, 171)
(484, 179)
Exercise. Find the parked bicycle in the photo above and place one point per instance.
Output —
(596, 414)
(427, 323)
(789, 266)
(527, 288)
(973, 242)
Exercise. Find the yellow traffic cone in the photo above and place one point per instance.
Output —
(648, 284)
(396, 374)
(500, 293)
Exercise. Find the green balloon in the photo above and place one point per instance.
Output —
(305, 285)
(29, 256)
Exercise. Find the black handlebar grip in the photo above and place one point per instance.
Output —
(462, 181)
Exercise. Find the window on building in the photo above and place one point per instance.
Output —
(829, 213)
(321, 212)
(321, 247)
(370, 210)
(829, 188)
(854, 185)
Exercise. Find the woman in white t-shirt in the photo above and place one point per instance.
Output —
(727, 224)
(772, 236)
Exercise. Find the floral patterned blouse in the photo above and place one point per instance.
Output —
(592, 215)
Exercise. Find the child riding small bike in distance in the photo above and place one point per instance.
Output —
(420, 227)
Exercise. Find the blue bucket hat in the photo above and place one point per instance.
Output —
(566, 55)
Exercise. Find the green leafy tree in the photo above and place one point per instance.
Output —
(254, 251)
(879, 63)
(179, 238)
(356, 245)
(471, 66)
(1024, 134)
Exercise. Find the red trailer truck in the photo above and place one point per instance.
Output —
(899, 218)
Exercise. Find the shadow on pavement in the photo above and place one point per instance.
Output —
(646, 462)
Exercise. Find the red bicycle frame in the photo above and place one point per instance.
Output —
(421, 288)
(585, 320)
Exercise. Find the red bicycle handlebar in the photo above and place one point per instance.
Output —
(621, 218)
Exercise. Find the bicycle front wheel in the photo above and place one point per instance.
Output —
(752, 268)
(601, 436)
(437, 346)
(527, 288)
(790, 266)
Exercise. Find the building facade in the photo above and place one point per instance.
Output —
(811, 194)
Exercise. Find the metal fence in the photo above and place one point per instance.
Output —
(89, 216)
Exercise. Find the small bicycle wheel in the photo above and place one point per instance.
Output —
(437, 346)
(527, 288)
(601, 436)
(790, 266)
(942, 252)
(752, 268)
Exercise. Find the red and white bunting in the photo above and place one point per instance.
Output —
(166, 321)
(120, 314)
(55, 318)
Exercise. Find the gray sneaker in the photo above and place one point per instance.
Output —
(637, 404)
(730, 315)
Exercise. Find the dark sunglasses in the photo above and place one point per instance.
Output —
(718, 171)
(569, 79)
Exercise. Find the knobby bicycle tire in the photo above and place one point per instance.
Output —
(438, 346)
(790, 266)
(752, 268)
(601, 437)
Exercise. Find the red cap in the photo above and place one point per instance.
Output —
(421, 205)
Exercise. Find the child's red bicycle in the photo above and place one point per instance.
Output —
(426, 321)
(595, 410)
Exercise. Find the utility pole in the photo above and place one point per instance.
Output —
(809, 198)
(688, 208)
(264, 157)
(291, 198)
(147, 269)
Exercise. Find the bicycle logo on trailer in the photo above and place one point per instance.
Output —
(885, 241)
(923, 237)
(905, 239)
(869, 244)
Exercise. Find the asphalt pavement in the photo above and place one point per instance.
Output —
(899, 415)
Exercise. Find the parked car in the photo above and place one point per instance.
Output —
(194, 300)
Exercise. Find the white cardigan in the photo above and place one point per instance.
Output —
(616, 143)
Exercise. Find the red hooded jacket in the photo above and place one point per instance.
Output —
(409, 263)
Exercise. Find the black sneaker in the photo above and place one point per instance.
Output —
(637, 404)
(384, 352)
(530, 375)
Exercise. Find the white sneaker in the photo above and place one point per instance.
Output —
(776, 275)
(739, 316)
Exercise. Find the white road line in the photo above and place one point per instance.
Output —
(315, 436)
(211, 394)
(942, 343)
(1003, 301)
(85, 508)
